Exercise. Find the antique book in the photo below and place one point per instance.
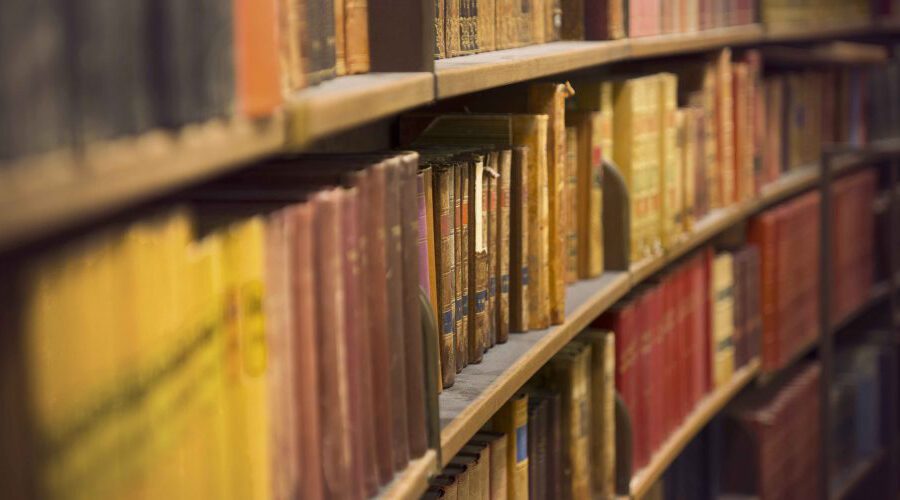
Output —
(498, 451)
(430, 219)
(512, 420)
(440, 36)
(427, 268)
(725, 127)
(492, 216)
(569, 374)
(462, 263)
(291, 19)
(573, 14)
(356, 36)
(319, 41)
(589, 195)
(722, 316)
(537, 447)
(339, 38)
(670, 178)
(514, 23)
(570, 203)
(476, 249)
(393, 229)
(445, 257)
(412, 322)
(636, 137)
(603, 424)
(410, 49)
(517, 238)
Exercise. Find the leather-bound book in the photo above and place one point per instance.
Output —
(482, 473)
(412, 322)
(570, 204)
(356, 36)
(445, 258)
(574, 18)
(519, 298)
(291, 30)
(512, 420)
(462, 264)
(440, 36)
(498, 476)
(340, 38)
(472, 474)
(333, 386)
(319, 41)
(589, 193)
(393, 229)
(306, 387)
(514, 23)
(603, 425)
(477, 261)
(502, 238)
(427, 265)
(491, 217)
(604, 20)
(537, 447)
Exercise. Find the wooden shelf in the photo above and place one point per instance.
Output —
(856, 475)
(685, 43)
(466, 74)
(480, 390)
(794, 32)
(350, 101)
(708, 408)
(43, 194)
(413, 481)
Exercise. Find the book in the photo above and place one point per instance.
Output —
(446, 258)
(722, 312)
(570, 204)
(512, 420)
(502, 238)
(603, 425)
(670, 180)
(589, 126)
(498, 475)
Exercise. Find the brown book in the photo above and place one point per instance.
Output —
(512, 420)
(395, 318)
(470, 477)
(477, 260)
(440, 41)
(537, 447)
(569, 207)
(490, 227)
(498, 476)
(514, 23)
(502, 244)
(482, 473)
(333, 383)
(445, 257)
(538, 19)
(412, 327)
(409, 49)
(318, 49)
(356, 22)
(518, 241)
(428, 275)
(462, 265)
(572, 24)
(306, 387)
(554, 21)
(291, 30)
(603, 424)
(550, 99)
(340, 62)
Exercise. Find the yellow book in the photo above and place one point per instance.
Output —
(589, 195)
(725, 127)
(688, 123)
(722, 288)
(670, 175)
(245, 361)
(603, 416)
(570, 203)
(550, 99)
(531, 131)
(636, 136)
(512, 420)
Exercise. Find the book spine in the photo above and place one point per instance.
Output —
(503, 246)
(356, 18)
(440, 35)
(336, 449)
(446, 258)
(383, 390)
(463, 265)
(394, 250)
(600, 145)
(319, 40)
(460, 335)
(573, 25)
(493, 250)
(519, 239)
(414, 353)
(468, 28)
(422, 243)
(763, 234)
(570, 204)
(477, 262)
(340, 38)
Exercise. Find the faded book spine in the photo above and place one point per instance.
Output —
(414, 354)
(462, 272)
(476, 300)
(490, 238)
(503, 242)
(356, 33)
(446, 258)
(319, 41)
(518, 241)
(440, 42)
(570, 204)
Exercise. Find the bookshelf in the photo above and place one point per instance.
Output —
(709, 407)
(412, 482)
(856, 476)
(482, 389)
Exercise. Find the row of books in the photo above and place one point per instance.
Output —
(265, 342)
(884, 99)
(465, 27)
(772, 440)
(555, 439)
(680, 337)
(819, 12)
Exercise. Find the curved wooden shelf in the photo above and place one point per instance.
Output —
(480, 390)
(43, 194)
(413, 481)
(709, 407)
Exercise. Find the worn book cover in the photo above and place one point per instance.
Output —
(319, 41)
(517, 238)
(722, 316)
(498, 450)
(670, 178)
(570, 203)
(356, 36)
(258, 72)
(445, 257)
(427, 269)
(476, 249)
(537, 447)
(462, 264)
(589, 193)
(603, 424)
(490, 227)
(512, 420)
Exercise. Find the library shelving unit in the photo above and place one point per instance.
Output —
(48, 194)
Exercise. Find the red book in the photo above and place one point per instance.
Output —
(648, 319)
(763, 233)
(706, 313)
(258, 79)
(681, 285)
(671, 357)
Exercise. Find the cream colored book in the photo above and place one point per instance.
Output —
(722, 349)
(670, 174)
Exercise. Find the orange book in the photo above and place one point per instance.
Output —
(256, 57)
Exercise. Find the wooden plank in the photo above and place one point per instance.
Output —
(708, 408)
(480, 390)
(685, 43)
(412, 482)
(44, 194)
(466, 74)
(348, 101)
(814, 31)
